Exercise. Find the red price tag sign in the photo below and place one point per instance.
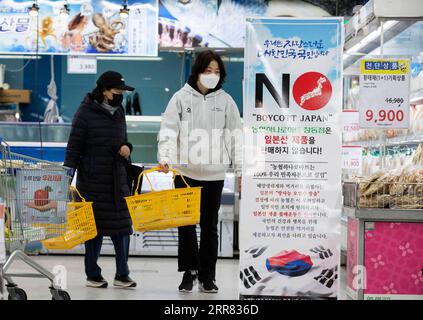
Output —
(384, 116)
(350, 125)
(385, 93)
(352, 157)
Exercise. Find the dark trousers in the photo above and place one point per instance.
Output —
(92, 252)
(190, 257)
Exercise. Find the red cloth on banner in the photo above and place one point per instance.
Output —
(287, 256)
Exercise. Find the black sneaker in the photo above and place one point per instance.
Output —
(97, 282)
(188, 282)
(124, 282)
(208, 286)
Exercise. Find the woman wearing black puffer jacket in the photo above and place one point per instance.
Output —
(98, 148)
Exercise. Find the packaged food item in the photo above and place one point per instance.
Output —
(376, 201)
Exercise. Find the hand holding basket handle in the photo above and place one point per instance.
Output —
(159, 169)
(74, 190)
(163, 167)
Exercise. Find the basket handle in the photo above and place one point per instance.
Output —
(145, 172)
(72, 188)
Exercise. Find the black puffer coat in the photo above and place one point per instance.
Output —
(93, 147)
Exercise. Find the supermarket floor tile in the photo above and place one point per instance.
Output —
(157, 279)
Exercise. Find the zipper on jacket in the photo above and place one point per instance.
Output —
(202, 118)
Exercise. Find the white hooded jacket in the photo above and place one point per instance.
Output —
(200, 136)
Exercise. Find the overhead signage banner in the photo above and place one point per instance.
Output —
(92, 27)
(291, 193)
(205, 23)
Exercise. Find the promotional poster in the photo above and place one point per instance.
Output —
(42, 196)
(291, 204)
(204, 23)
(90, 27)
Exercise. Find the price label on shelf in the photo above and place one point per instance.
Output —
(82, 65)
(352, 158)
(350, 121)
(350, 125)
(385, 93)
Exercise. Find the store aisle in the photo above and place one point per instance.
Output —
(156, 277)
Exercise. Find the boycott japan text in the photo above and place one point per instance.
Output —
(291, 118)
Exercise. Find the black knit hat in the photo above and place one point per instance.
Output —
(113, 80)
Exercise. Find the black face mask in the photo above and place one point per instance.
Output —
(117, 100)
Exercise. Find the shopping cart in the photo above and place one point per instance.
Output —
(36, 193)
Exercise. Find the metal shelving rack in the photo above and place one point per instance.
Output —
(390, 215)
(369, 215)
(365, 216)
(412, 139)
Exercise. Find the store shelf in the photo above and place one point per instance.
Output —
(404, 140)
(376, 214)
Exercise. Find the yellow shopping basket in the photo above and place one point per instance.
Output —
(164, 209)
(80, 226)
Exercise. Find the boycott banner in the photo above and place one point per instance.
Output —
(92, 27)
(385, 93)
(291, 201)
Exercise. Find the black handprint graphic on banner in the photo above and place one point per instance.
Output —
(322, 252)
(327, 277)
(249, 277)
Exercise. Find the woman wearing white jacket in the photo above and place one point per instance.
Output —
(200, 136)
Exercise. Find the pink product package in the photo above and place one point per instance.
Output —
(394, 258)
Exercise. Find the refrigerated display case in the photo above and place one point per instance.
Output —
(48, 142)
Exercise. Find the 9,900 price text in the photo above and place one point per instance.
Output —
(384, 116)
(224, 309)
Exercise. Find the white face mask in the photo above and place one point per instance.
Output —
(210, 80)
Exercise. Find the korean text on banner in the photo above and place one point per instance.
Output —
(385, 93)
(291, 204)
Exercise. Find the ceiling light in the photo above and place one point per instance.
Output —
(64, 12)
(33, 11)
(124, 11)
